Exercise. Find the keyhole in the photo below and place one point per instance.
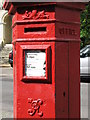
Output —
(64, 94)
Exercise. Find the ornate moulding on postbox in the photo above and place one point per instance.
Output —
(34, 15)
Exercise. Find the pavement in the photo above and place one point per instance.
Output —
(6, 92)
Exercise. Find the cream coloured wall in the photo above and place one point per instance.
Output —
(7, 32)
(5, 28)
(1, 33)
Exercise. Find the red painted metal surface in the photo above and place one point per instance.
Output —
(55, 29)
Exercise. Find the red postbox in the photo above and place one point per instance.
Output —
(46, 48)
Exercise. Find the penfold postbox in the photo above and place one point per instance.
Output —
(46, 48)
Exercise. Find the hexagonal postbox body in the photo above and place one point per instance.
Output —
(46, 48)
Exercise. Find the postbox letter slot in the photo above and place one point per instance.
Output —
(35, 29)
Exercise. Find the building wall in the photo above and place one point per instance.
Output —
(7, 32)
(5, 28)
(1, 33)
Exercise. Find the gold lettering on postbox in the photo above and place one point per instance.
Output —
(67, 31)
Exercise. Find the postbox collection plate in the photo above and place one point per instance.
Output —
(35, 63)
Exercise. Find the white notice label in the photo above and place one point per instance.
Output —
(35, 63)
